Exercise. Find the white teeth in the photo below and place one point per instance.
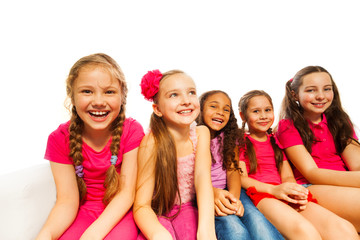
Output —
(98, 113)
(187, 111)
(218, 120)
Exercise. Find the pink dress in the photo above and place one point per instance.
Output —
(184, 225)
(95, 166)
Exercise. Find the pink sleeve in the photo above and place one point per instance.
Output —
(287, 135)
(132, 135)
(57, 149)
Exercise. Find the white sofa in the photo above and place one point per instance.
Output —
(26, 198)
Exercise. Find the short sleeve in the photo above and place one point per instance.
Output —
(287, 135)
(132, 135)
(57, 149)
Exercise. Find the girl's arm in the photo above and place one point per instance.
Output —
(203, 186)
(120, 204)
(282, 191)
(351, 156)
(304, 162)
(144, 215)
(67, 202)
(234, 186)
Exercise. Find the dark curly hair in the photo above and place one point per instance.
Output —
(231, 131)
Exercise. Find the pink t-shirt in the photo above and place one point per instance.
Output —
(266, 166)
(323, 150)
(95, 163)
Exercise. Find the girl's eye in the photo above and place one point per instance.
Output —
(310, 90)
(86, 91)
(212, 106)
(268, 110)
(192, 93)
(328, 89)
(227, 110)
(173, 95)
(255, 111)
(110, 92)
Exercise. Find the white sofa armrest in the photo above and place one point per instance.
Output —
(26, 198)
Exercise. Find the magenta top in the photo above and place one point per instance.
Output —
(218, 174)
(323, 149)
(266, 171)
(95, 163)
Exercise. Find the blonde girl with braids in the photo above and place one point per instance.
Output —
(174, 198)
(270, 182)
(318, 137)
(93, 157)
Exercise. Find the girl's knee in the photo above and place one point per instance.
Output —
(343, 229)
(304, 230)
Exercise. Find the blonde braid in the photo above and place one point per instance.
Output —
(75, 130)
(112, 180)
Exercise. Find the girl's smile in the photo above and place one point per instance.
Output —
(315, 95)
(177, 101)
(97, 98)
(216, 111)
(259, 117)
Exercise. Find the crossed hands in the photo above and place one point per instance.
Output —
(293, 193)
(226, 203)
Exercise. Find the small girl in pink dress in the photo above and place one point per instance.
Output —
(174, 163)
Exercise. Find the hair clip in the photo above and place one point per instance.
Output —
(113, 159)
(79, 171)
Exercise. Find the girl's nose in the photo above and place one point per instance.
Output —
(185, 99)
(320, 95)
(98, 100)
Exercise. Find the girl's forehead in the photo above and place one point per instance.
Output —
(259, 100)
(317, 78)
(96, 75)
(176, 82)
(218, 97)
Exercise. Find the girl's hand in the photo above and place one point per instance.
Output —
(225, 202)
(240, 207)
(291, 192)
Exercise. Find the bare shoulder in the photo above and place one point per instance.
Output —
(147, 141)
(202, 130)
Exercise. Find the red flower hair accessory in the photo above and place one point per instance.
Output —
(150, 84)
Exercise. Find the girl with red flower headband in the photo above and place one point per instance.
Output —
(174, 163)
(270, 182)
(93, 157)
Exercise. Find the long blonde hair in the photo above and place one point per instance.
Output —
(166, 184)
(112, 180)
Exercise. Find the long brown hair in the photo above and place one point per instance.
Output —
(112, 180)
(166, 183)
(250, 151)
(231, 132)
(339, 122)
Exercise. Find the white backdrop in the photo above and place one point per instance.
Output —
(235, 46)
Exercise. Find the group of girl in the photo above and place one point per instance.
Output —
(196, 174)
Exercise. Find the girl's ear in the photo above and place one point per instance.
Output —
(295, 96)
(156, 110)
(242, 117)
